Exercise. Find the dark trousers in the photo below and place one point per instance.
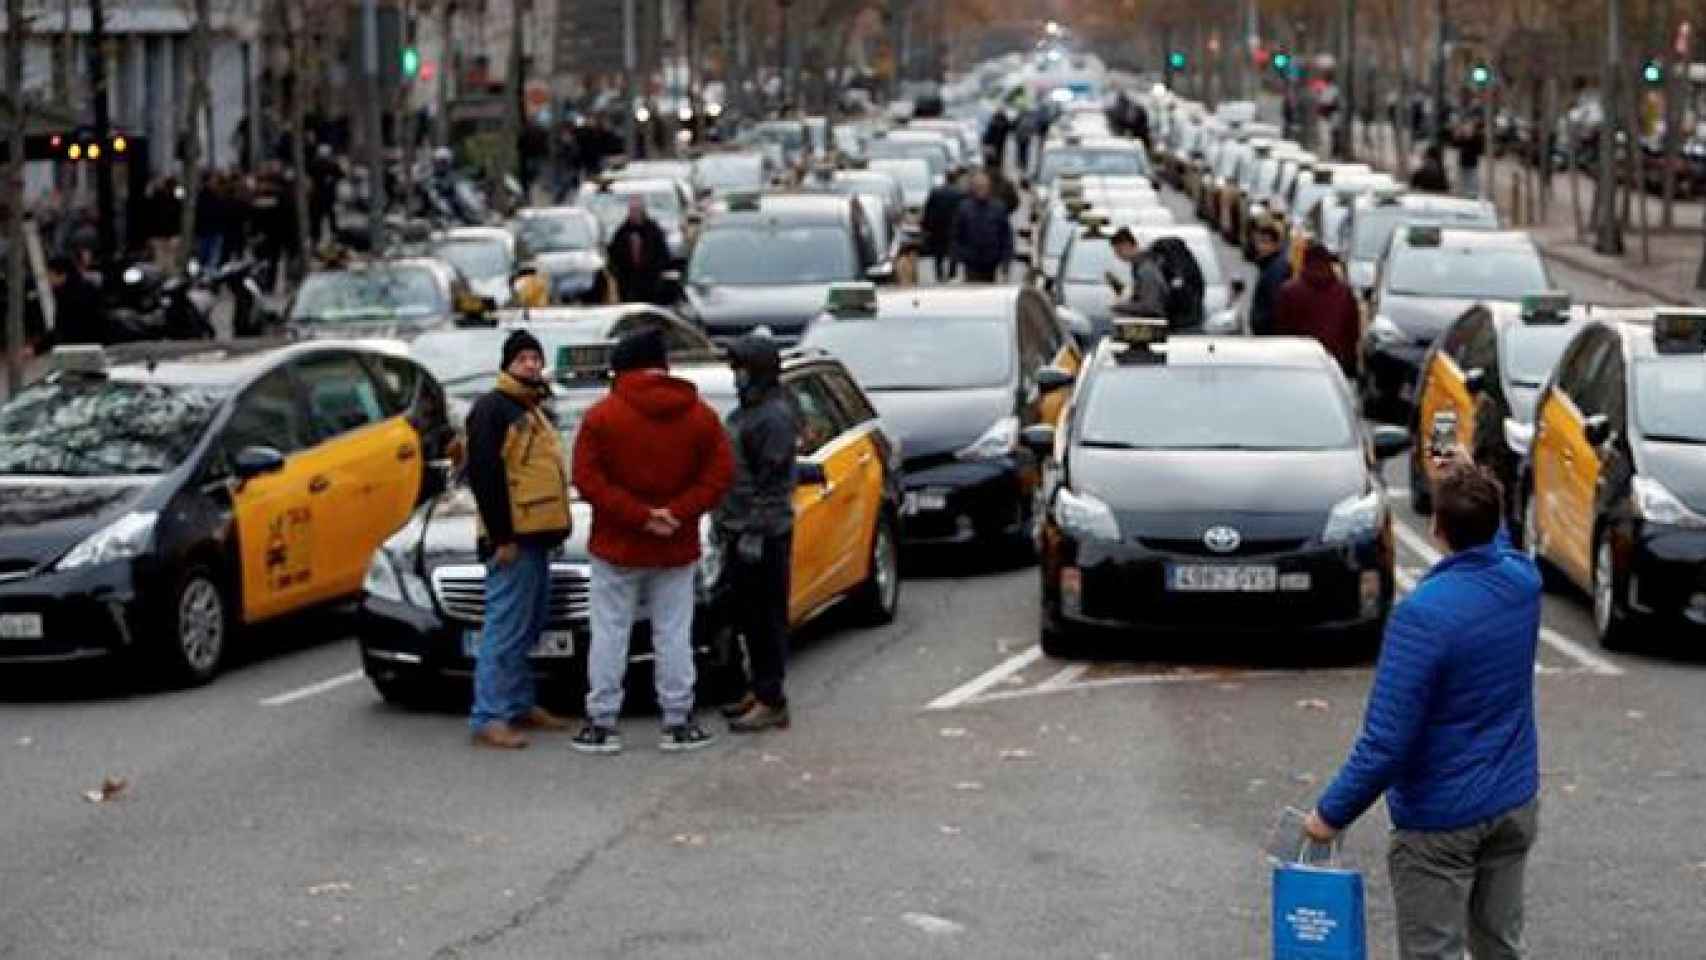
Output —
(1463, 888)
(974, 275)
(761, 614)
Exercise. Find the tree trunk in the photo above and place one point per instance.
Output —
(13, 199)
(194, 109)
(293, 26)
(446, 63)
(515, 89)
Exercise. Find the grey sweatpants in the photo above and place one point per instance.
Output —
(1457, 888)
(616, 595)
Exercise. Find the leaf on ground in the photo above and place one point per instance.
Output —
(1017, 754)
(330, 887)
(953, 733)
(110, 789)
(1313, 703)
(932, 924)
(689, 840)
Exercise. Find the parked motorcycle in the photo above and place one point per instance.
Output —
(149, 305)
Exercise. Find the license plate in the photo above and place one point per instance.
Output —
(552, 643)
(917, 502)
(1206, 578)
(20, 626)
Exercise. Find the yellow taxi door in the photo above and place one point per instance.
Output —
(271, 513)
(826, 515)
(1445, 392)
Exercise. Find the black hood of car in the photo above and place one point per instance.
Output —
(41, 518)
(447, 529)
(931, 424)
(1423, 319)
(1681, 467)
(1180, 493)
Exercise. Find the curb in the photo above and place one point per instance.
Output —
(1589, 266)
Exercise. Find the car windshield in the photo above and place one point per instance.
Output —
(611, 208)
(1374, 226)
(557, 234)
(1468, 272)
(1217, 408)
(96, 427)
(1091, 162)
(1669, 395)
(477, 259)
(763, 254)
(920, 353)
(1532, 350)
(732, 173)
(401, 293)
(913, 177)
(934, 155)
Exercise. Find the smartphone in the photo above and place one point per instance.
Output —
(1443, 440)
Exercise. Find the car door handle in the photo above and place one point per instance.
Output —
(864, 458)
(405, 453)
(319, 484)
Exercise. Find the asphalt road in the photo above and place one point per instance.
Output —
(945, 791)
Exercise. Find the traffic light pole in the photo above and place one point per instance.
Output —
(106, 228)
(375, 132)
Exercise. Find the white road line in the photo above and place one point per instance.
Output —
(1164, 679)
(971, 688)
(1590, 661)
(313, 689)
(1065, 678)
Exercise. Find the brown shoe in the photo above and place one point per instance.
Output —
(761, 717)
(739, 708)
(499, 736)
(540, 718)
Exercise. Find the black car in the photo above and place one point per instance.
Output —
(1211, 483)
(154, 500)
(957, 373)
(1616, 493)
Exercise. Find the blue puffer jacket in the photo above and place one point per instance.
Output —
(1450, 732)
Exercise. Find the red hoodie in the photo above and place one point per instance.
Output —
(1316, 303)
(651, 443)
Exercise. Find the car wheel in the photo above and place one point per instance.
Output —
(878, 599)
(1610, 617)
(1058, 640)
(198, 626)
(1421, 495)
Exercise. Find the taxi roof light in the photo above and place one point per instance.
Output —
(743, 200)
(1323, 174)
(1425, 235)
(858, 299)
(84, 358)
(585, 362)
(1679, 331)
(1548, 307)
(1140, 336)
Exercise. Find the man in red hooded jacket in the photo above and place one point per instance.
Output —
(651, 459)
(1316, 303)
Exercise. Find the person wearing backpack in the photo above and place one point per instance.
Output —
(1183, 276)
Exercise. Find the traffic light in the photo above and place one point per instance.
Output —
(1176, 60)
(411, 62)
(1652, 73)
(1281, 62)
(1480, 75)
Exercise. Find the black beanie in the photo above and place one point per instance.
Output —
(515, 343)
(643, 349)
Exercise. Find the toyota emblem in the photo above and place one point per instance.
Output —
(1222, 539)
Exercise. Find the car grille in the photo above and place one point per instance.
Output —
(461, 593)
(1194, 547)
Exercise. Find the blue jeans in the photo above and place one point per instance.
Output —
(518, 608)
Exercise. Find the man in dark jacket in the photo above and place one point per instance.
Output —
(651, 459)
(983, 233)
(78, 315)
(639, 255)
(1450, 736)
(520, 484)
(1148, 289)
(995, 137)
(323, 176)
(1318, 304)
(1272, 271)
(1430, 176)
(756, 522)
(939, 210)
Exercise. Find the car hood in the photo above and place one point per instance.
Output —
(931, 424)
(1423, 319)
(447, 530)
(784, 308)
(569, 261)
(1681, 467)
(367, 330)
(1360, 275)
(1179, 493)
(497, 288)
(42, 517)
(1094, 300)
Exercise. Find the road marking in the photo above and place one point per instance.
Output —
(1065, 678)
(1590, 661)
(313, 689)
(1165, 679)
(971, 688)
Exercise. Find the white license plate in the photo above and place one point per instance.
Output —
(917, 502)
(1217, 578)
(20, 626)
(552, 643)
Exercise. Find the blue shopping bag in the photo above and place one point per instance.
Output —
(1318, 913)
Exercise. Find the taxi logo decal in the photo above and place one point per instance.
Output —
(288, 553)
(1222, 539)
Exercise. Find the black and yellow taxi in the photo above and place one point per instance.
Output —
(1479, 383)
(425, 589)
(1616, 493)
(1210, 483)
(957, 372)
(156, 499)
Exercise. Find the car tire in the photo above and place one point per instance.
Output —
(197, 629)
(1611, 619)
(1421, 495)
(1024, 542)
(406, 692)
(1058, 640)
(878, 599)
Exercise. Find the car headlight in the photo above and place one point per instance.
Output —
(1082, 515)
(387, 580)
(1385, 333)
(1658, 505)
(1355, 518)
(1519, 436)
(710, 554)
(1000, 440)
(127, 537)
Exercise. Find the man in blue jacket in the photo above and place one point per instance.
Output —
(1449, 736)
(983, 233)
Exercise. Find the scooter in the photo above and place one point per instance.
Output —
(252, 313)
(152, 306)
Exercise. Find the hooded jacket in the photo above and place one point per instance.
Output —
(765, 436)
(983, 234)
(1316, 303)
(515, 468)
(651, 444)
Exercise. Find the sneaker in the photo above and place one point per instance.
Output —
(761, 717)
(683, 737)
(739, 708)
(596, 739)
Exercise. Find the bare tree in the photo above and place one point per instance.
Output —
(13, 200)
(195, 108)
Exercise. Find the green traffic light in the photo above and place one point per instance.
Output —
(1480, 76)
(1176, 60)
(1282, 61)
(411, 61)
(1651, 72)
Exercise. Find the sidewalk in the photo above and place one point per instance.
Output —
(1666, 274)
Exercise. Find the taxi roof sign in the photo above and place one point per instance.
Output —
(1140, 336)
(1548, 307)
(84, 358)
(1425, 235)
(585, 363)
(1677, 331)
(1322, 174)
(858, 299)
(743, 200)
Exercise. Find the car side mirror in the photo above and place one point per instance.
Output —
(1051, 379)
(1596, 430)
(1238, 289)
(1039, 439)
(252, 462)
(809, 474)
(1475, 381)
(880, 273)
(1390, 441)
